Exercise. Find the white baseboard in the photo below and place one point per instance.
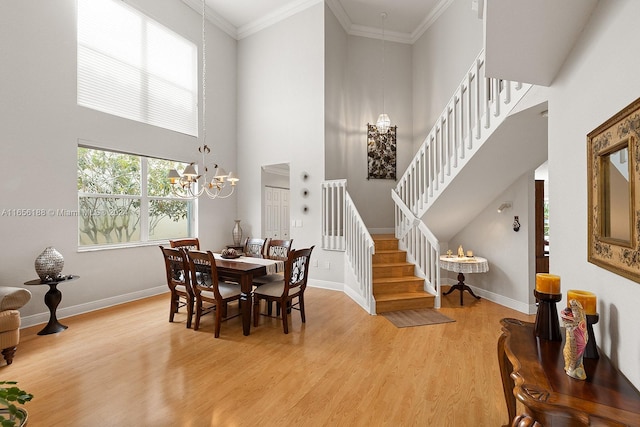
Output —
(61, 313)
(325, 284)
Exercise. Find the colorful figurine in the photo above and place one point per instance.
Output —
(575, 323)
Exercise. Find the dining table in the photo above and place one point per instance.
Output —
(242, 270)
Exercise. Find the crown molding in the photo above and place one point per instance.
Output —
(335, 7)
(213, 17)
(430, 19)
(340, 14)
(275, 17)
(376, 33)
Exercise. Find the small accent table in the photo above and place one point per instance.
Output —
(52, 299)
(463, 265)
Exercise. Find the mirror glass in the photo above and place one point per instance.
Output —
(616, 195)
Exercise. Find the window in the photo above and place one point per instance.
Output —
(124, 199)
(133, 67)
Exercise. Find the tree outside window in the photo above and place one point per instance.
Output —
(126, 199)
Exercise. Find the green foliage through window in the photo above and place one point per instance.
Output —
(123, 198)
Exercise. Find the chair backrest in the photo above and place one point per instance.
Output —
(177, 268)
(279, 249)
(203, 272)
(188, 243)
(296, 270)
(254, 247)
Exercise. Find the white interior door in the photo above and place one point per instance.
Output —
(276, 212)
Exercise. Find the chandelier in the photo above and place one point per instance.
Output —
(384, 122)
(190, 184)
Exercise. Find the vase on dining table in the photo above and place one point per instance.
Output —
(236, 233)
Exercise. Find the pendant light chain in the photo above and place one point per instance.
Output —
(383, 15)
(204, 76)
(191, 184)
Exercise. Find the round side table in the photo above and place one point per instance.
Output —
(52, 299)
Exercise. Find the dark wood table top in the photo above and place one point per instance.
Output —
(541, 384)
(67, 278)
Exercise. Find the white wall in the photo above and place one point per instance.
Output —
(281, 120)
(364, 104)
(598, 79)
(509, 280)
(40, 125)
(336, 113)
(441, 57)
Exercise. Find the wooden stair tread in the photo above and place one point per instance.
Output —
(403, 296)
(392, 264)
(398, 288)
(389, 236)
(398, 279)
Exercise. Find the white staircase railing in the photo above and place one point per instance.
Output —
(344, 230)
(423, 249)
(359, 250)
(333, 196)
(477, 107)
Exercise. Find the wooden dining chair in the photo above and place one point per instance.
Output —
(207, 288)
(188, 243)
(277, 249)
(296, 273)
(177, 270)
(254, 247)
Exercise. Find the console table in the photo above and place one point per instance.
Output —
(463, 265)
(532, 371)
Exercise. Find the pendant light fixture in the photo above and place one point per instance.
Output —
(190, 184)
(383, 124)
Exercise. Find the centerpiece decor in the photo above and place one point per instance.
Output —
(236, 233)
(588, 300)
(575, 324)
(49, 264)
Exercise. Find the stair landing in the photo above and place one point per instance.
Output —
(395, 287)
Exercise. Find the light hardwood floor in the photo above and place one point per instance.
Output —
(128, 365)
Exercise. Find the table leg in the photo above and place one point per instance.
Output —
(52, 299)
(461, 286)
(246, 285)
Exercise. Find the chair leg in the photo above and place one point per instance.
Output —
(218, 314)
(198, 313)
(224, 310)
(189, 311)
(285, 320)
(8, 354)
(174, 307)
(301, 304)
(256, 310)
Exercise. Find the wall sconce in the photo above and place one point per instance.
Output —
(503, 206)
(516, 224)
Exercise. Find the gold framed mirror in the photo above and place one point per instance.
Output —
(613, 162)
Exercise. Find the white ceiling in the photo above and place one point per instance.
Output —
(406, 19)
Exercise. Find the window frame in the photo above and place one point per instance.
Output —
(143, 90)
(145, 202)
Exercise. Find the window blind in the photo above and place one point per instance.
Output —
(131, 66)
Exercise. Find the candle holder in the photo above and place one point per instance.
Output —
(547, 325)
(591, 352)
